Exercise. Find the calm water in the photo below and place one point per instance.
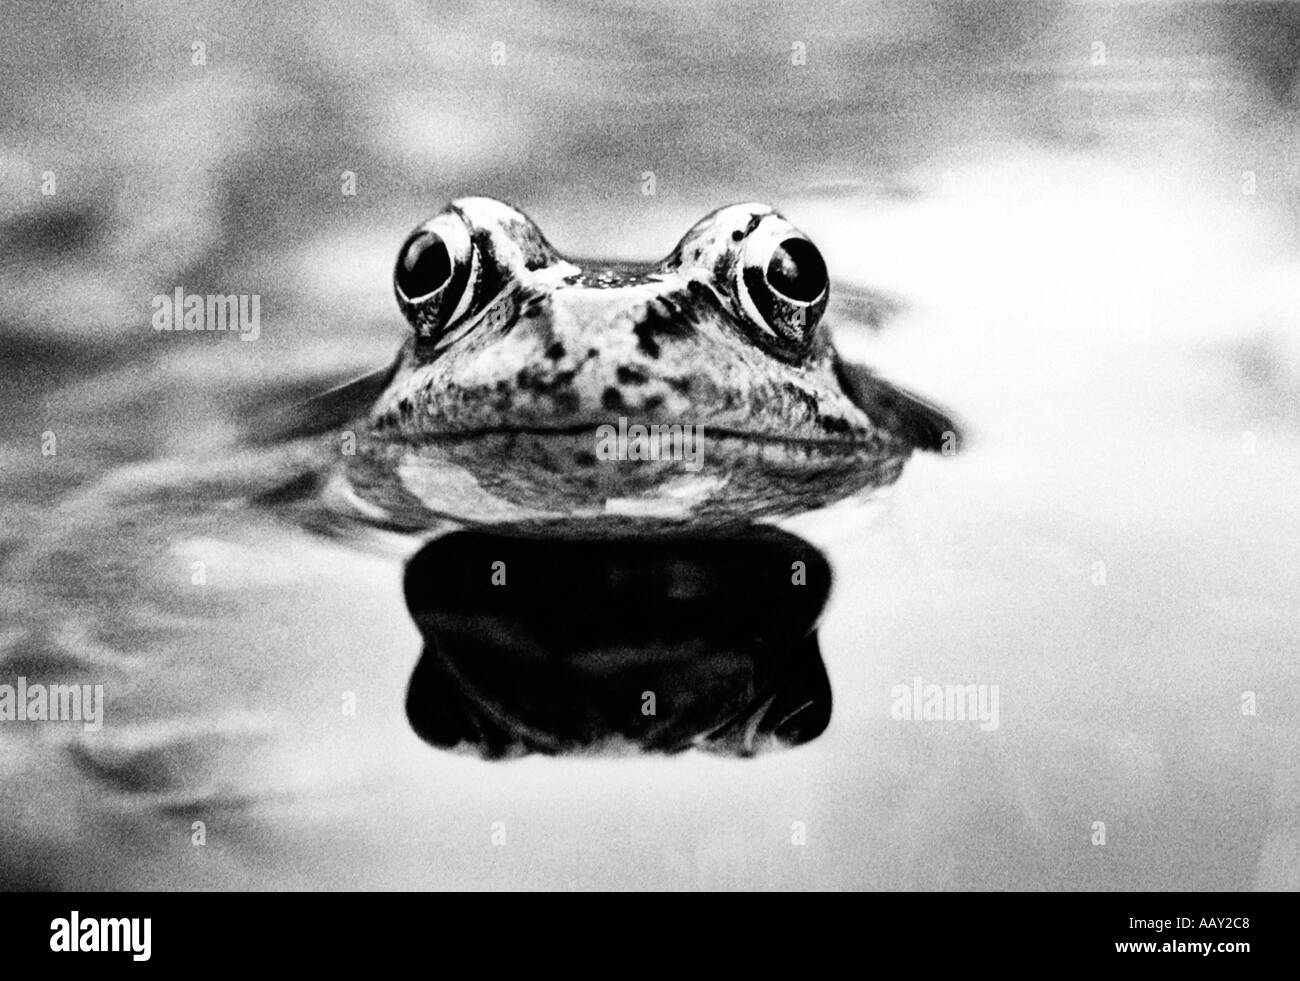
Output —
(1093, 258)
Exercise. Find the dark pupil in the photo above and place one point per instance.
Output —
(797, 271)
(425, 265)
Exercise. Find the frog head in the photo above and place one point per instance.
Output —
(543, 391)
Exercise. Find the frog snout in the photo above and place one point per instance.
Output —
(594, 376)
(596, 356)
(574, 358)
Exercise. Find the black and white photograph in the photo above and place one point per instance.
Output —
(650, 447)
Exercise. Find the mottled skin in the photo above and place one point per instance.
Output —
(489, 416)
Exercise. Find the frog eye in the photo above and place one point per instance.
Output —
(424, 266)
(796, 271)
(435, 274)
(782, 284)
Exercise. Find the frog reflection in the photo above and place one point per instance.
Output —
(620, 645)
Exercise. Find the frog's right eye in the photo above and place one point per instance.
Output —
(435, 274)
(424, 266)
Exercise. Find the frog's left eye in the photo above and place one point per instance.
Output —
(435, 274)
(782, 283)
(796, 271)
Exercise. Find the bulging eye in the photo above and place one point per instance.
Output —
(796, 271)
(782, 286)
(423, 266)
(436, 274)
(771, 276)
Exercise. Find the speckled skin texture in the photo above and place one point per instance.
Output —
(493, 418)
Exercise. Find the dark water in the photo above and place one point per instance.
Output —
(1094, 261)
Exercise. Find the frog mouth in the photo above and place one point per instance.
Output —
(846, 442)
(565, 476)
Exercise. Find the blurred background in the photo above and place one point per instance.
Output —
(1086, 217)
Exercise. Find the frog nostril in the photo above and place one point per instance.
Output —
(424, 265)
(796, 270)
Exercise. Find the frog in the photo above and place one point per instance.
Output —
(275, 537)
(542, 394)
